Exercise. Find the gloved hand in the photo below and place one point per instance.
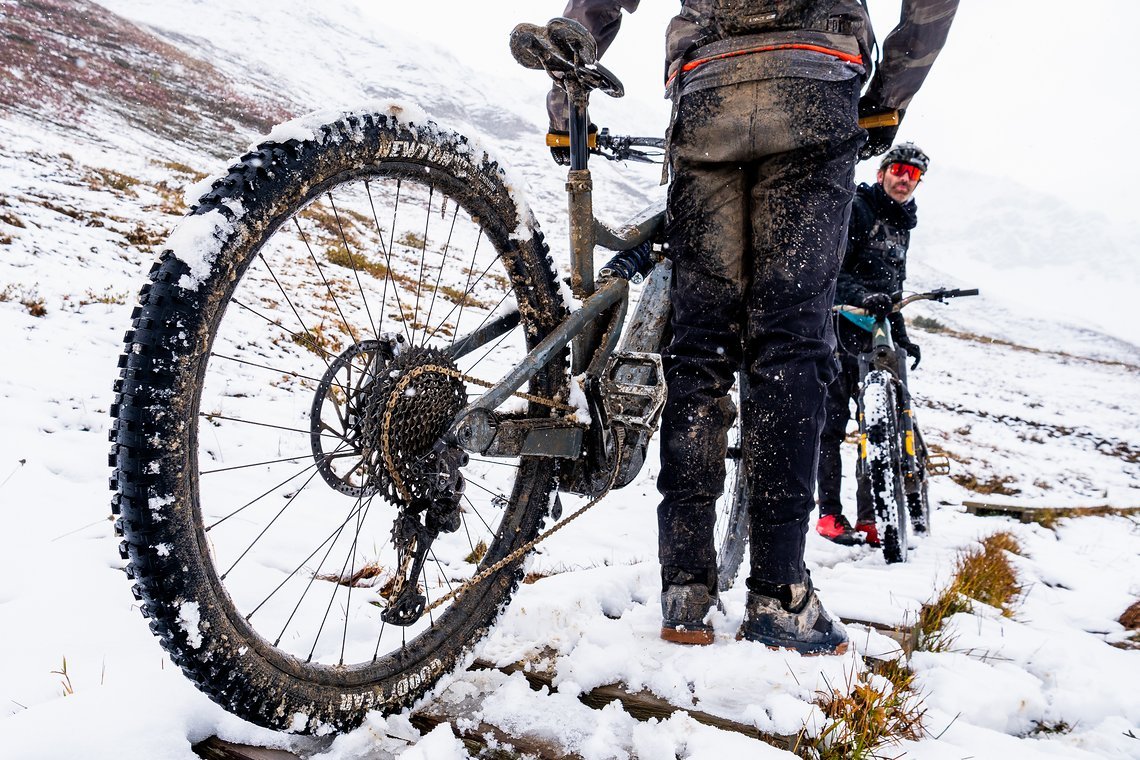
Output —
(912, 351)
(879, 139)
(877, 304)
(561, 152)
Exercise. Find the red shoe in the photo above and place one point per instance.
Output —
(835, 528)
(871, 530)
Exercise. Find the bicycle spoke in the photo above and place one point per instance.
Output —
(355, 269)
(282, 484)
(423, 258)
(439, 278)
(264, 530)
(282, 371)
(324, 280)
(304, 328)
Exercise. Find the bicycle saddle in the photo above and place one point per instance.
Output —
(566, 51)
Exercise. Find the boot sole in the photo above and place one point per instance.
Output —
(841, 649)
(687, 636)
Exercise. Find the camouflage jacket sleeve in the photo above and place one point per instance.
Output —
(909, 52)
(603, 19)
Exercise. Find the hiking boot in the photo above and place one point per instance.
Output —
(684, 608)
(791, 617)
(835, 528)
(870, 530)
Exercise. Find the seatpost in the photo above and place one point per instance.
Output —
(580, 188)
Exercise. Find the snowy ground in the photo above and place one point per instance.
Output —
(1048, 410)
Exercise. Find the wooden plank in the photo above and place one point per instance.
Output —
(905, 635)
(219, 749)
(476, 742)
(1028, 513)
(645, 706)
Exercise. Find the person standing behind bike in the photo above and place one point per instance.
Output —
(872, 276)
(762, 148)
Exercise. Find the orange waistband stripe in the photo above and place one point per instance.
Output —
(847, 57)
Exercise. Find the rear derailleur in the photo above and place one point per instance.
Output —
(419, 523)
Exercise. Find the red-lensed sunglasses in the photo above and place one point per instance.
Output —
(913, 173)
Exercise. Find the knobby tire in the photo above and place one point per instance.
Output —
(219, 369)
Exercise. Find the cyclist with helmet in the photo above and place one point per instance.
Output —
(872, 275)
(763, 142)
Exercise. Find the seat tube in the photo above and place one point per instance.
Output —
(580, 189)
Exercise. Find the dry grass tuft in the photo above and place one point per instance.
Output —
(879, 708)
(993, 484)
(477, 554)
(983, 575)
(1131, 617)
(12, 220)
(358, 579)
(928, 324)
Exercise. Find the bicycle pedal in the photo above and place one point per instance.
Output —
(937, 464)
(633, 388)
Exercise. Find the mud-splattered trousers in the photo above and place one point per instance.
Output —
(762, 185)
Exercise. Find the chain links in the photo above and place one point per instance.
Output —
(619, 436)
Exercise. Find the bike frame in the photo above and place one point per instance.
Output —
(593, 329)
(886, 357)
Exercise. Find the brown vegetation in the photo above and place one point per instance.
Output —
(61, 58)
(984, 575)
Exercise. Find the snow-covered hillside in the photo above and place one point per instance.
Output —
(109, 111)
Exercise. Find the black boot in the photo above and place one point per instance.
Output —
(785, 616)
(685, 603)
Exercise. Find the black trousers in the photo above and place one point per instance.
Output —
(763, 180)
(843, 390)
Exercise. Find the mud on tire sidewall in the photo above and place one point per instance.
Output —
(884, 464)
(156, 431)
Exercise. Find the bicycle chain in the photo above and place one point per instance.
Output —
(393, 470)
(619, 436)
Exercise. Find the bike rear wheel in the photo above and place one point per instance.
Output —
(257, 502)
(732, 521)
(917, 495)
(882, 462)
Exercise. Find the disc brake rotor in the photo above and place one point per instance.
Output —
(336, 420)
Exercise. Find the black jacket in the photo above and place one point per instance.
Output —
(877, 241)
(907, 53)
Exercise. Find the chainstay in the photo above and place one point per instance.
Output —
(519, 552)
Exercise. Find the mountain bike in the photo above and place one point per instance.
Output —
(354, 392)
(894, 462)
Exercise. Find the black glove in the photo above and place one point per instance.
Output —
(912, 351)
(878, 304)
(561, 153)
(879, 139)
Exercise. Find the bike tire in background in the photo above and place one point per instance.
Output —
(918, 492)
(882, 455)
(236, 346)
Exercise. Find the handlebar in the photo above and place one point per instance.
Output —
(938, 294)
(624, 148)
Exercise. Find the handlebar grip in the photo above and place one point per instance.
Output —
(968, 292)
